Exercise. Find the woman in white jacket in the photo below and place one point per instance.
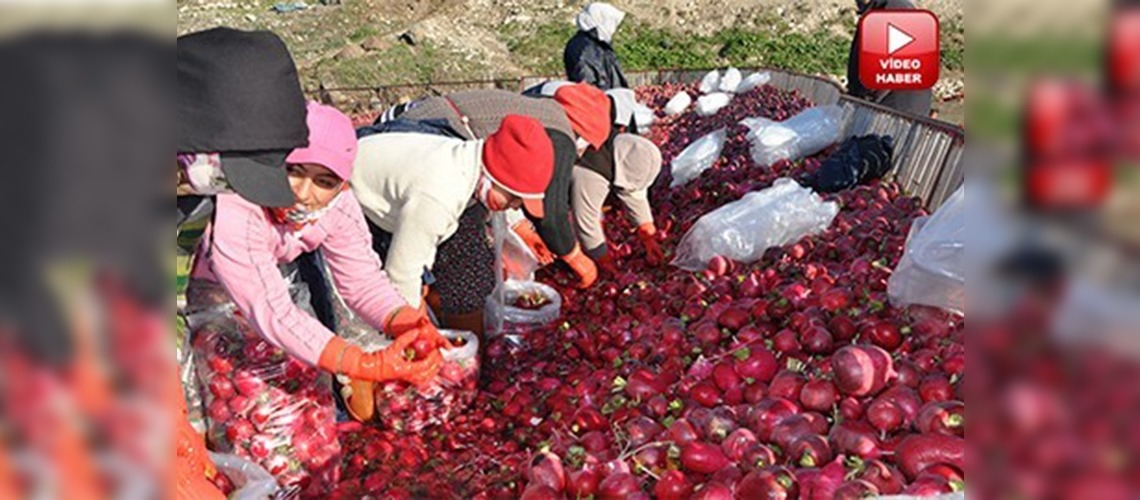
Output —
(415, 188)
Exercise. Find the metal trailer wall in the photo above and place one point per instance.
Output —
(928, 152)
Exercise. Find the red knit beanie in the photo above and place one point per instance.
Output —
(519, 157)
(588, 109)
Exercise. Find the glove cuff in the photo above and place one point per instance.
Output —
(647, 230)
(340, 357)
(401, 321)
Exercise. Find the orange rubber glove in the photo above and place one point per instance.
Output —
(526, 231)
(343, 358)
(415, 322)
(582, 265)
(647, 233)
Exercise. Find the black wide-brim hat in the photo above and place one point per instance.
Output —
(239, 96)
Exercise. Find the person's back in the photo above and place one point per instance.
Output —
(485, 110)
(916, 102)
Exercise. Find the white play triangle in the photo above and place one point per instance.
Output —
(897, 39)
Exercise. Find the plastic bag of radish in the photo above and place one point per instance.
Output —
(241, 479)
(261, 403)
(517, 307)
(402, 407)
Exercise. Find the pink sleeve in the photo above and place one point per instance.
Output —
(243, 262)
(355, 268)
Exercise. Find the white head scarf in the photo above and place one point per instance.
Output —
(603, 17)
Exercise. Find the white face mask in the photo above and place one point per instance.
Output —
(581, 144)
(301, 216)
(483, 191)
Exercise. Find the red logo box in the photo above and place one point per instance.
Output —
(898, 50)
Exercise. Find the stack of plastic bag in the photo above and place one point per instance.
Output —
(744, 229)
(754, 80)
(797, 137)
(729, 81)
(697, 157)
(678, 104)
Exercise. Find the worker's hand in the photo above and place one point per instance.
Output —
(533, 241)
(582, 266)
(426, 331)
(390, 363)
(405, 319)
(647, 233)
(606, 264)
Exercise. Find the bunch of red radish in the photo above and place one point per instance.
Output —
(790, 377)
(403, 407)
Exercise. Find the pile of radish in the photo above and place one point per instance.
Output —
(790, 377)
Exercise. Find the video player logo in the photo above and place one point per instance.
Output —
(898, 50)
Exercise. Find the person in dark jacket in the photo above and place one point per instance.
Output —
(589, 56)
(577, 119)
(916, 102)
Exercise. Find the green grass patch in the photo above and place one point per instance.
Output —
(641, 47)
(539, 50)
(362, 33)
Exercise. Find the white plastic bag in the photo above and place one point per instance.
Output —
(730, 80)
(697, 157)
(678, 104)
(744, 229)
(754, 80)
(797, 137)
(251, 480)
(709, 104)
(644, 117)
(503, 317)
(932, 269)
(710, 82)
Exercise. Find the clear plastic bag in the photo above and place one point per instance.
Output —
(932, 269)
(797, 137)
(730, 81)
(744, 229)
(709, 82)
(678, 104)
(754, 80)
(407, 408)
(644, 117)
(506, 315)
(697, 157)
(261, 403)
(709, 104)
(250, 481)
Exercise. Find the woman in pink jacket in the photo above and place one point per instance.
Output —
(238, 264)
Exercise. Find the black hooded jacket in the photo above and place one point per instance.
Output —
(590, 60)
